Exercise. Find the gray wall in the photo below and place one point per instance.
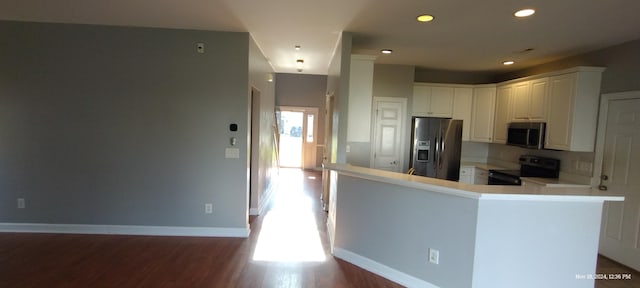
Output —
(338, 86)
(453, 77)
(126, 126)
(622, 63)
(396, 81)
(304, 90)
(396, 226)
(264, 164)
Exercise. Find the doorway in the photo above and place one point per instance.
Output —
(388, 133)
(298, 136)
(617, 167)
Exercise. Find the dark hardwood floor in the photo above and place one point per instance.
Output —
(291, 227)
(59, 260)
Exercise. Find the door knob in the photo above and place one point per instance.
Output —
(604, 177)
(603, 187)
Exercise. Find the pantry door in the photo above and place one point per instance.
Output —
(388, 122)
(619, 160)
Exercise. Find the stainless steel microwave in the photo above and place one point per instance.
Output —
(526, 134)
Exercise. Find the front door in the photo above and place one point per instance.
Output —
(620, 236)
(388, 133)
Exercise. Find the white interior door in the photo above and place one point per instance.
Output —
(620, 235)
(388, 133)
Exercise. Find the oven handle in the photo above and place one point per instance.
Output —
(515, 181)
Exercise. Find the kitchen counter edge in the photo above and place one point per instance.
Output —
(483, 192)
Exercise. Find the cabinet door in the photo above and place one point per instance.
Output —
(560, 111)
(462, 99)
(421, 95)
(484, 99)
(537, 104)
(441, 104)
(503, 114)
(521, 99)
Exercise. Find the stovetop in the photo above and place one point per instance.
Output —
(534, 166)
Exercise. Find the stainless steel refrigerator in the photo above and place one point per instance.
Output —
(435, 147)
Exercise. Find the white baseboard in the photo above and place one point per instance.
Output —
(125, 230)
(381, 269)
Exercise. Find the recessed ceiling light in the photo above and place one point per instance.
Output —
(297, 47)
(508, 62)
(524, 13)
(425, 18)
(386, 51)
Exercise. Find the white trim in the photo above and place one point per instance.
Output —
(125, 230)
(380, 269)
(602, 125)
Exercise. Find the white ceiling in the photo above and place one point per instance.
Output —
(466, 35)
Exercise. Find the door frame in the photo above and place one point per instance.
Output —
(304, 111)
(403, 125)
(601, 133)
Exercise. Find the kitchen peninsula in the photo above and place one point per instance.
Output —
(425, 232)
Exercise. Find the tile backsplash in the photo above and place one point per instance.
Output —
(575, 166)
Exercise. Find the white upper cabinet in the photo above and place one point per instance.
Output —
(503, 113)
(482, 114)
(462, 103)
(572, 110)
(432, 101)
(538, 101)
(529, 99)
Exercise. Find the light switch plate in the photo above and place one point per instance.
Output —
(232, 153)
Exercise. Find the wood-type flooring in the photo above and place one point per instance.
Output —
(293, 224)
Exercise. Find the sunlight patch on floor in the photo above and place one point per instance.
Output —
(289, 231)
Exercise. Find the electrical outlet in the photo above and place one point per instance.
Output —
(434, 256)
(21, 204)
(208, 208)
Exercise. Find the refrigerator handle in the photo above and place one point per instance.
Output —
(436, 152)
(442, 132)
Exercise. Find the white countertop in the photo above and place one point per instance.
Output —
(483, 166)
(495, 192)
(554, 182)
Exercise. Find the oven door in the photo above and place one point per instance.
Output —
(497, 178)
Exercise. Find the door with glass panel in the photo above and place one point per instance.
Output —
(298, 136)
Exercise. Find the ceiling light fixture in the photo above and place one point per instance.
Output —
(424, 18)
(386, 51)
(510, 62)
(524, 13)
(297, 47)
(299, 64)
